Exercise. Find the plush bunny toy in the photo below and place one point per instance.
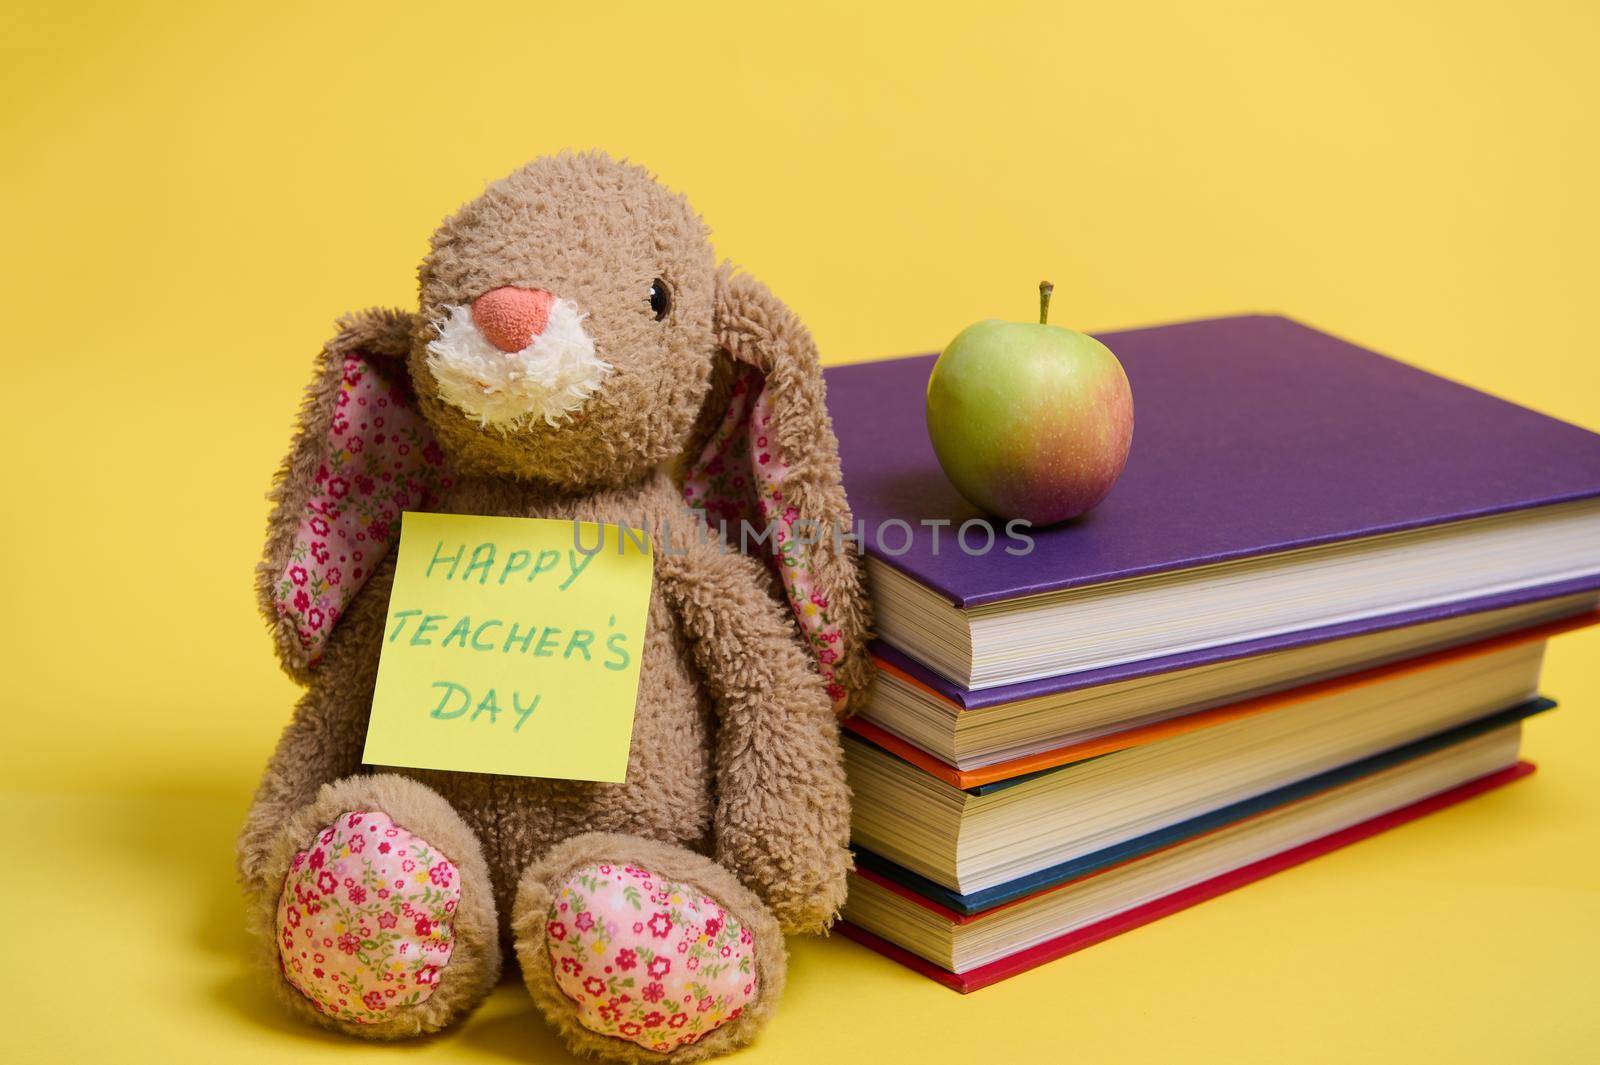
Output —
(577, 354)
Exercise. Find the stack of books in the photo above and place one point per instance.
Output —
(1313, 608)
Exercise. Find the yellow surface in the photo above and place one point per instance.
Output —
(475, 600)
(193, 194)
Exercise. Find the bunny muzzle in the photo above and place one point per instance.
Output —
(515, 356)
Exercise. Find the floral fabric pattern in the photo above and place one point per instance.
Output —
(740, 478)
(380, 459)
(367, 918)
(648, 959)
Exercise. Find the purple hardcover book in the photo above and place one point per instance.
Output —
(1253, 436)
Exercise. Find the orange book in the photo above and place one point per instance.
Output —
(1185, 723)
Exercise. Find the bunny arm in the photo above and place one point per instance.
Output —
(321, 744)
(782, 822)
(324, 740)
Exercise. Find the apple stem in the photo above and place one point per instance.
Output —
(1045, 288)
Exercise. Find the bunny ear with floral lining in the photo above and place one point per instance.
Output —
(362, 454)
(767, 477)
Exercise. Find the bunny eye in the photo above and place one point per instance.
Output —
(660, 298)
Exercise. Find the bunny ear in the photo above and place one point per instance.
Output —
(767, 475)
(361, 455)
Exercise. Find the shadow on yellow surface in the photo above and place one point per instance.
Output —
(1468, 936)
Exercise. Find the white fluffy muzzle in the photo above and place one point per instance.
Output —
(549, 379)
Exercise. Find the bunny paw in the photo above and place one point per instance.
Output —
(648, 958)
(641, 951)
(366, 921)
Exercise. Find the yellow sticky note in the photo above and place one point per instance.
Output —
(512, 646)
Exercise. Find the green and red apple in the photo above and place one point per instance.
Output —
(1030, 420)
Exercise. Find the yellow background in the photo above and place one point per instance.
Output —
(192, 194)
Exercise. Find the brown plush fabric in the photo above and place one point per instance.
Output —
(474, 964)
(783, 811)
(529, 918)
(735, 751)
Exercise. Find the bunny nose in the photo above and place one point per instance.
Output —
(509, 318)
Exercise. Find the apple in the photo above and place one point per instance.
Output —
(1030, 421)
